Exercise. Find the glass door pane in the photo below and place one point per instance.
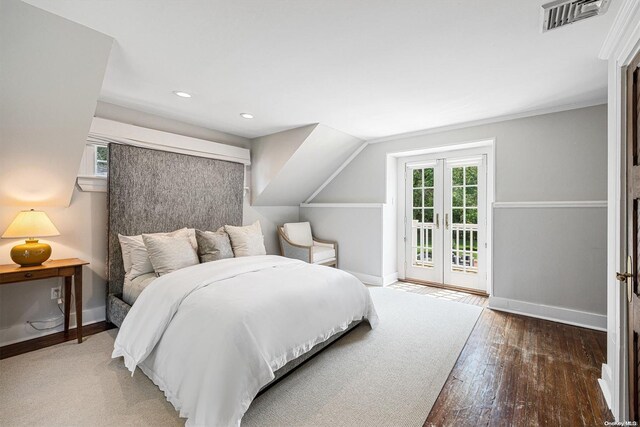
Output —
(423, 244)
(422, 223)
(465, 211)
(464, 219)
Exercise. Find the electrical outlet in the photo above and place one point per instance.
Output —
(56, 293)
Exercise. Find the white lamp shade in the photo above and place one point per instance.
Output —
(31, 224)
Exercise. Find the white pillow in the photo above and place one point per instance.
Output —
(134, 253)
(170, 253)
(247, 240)
(299, 233)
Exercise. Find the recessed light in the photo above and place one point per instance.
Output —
(246, 115)
(182, 94)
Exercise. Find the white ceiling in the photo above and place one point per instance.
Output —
(370, 68)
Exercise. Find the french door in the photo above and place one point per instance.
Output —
(445, 221)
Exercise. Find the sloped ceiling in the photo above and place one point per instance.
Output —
(371, 68)
(287, 167)
(50, 78)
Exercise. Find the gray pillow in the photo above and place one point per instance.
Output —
(168, 253)
(213, 245)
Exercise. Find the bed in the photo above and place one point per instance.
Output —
(213, 335)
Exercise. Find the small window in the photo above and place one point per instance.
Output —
(101, 165)
(94, 168)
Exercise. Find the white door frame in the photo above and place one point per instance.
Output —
(621, 46)
(470, 148)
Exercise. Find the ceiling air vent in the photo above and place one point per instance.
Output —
(563, 12)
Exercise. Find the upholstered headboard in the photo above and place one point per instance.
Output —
(156, 191)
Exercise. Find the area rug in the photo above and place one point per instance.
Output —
(391, 375)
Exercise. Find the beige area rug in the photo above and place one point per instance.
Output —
(391, 375)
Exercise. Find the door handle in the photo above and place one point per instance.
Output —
(446, 221)
(627, 278)
(437, 220)
(623, 276)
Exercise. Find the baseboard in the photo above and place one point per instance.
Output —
(389, 279)
(605, 382)
(24, 331)
(547, 312)
(367, 279)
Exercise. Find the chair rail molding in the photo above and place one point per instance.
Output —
(552, 204)
(343, 205)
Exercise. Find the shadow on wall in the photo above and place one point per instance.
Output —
(270, 217)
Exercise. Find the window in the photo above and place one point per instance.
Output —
(464, 219)
(94, 168)
(101, 160)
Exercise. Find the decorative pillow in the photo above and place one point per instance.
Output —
(247, 240)
(125, 247)
(169, 253)
(299, 233)
(213, 246)
(134, 253)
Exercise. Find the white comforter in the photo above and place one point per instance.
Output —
(210, 336)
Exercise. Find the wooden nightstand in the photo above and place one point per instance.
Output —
(70, 269)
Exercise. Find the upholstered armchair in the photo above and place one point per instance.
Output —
(297, 241)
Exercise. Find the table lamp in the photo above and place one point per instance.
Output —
(30, 224)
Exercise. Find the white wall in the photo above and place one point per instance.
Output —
(52, 71)
(621, 45)
(560, 157)
(270, 153)
(289, 166)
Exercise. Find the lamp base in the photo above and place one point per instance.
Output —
(30, 253)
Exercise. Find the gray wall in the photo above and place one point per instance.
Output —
(560, 156)
(550, 256)
(553, 256)
(83, 234)
(352, 229)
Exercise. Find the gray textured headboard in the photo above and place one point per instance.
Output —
(154, 191)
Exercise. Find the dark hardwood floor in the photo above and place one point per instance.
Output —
(52, 339)
(520, 371)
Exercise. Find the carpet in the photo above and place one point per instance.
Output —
(391, 375)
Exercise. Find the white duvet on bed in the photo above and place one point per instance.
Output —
(211, 335)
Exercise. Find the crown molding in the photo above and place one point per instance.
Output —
(616, 33)
(495, 119)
